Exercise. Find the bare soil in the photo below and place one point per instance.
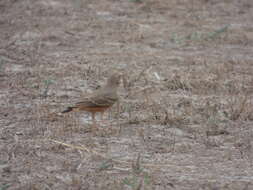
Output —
(186, 101)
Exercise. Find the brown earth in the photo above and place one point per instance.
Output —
(186, 117)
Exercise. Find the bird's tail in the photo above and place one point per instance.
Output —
(69, 109)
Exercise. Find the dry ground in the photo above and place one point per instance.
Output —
(186, 118)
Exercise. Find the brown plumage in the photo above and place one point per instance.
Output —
(100, 100)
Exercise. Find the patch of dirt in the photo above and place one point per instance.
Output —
(186, 109)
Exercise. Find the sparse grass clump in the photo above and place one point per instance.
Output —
(199, 36)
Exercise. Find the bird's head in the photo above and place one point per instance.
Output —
(114, 80)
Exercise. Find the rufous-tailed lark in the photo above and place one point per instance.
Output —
(100, 100)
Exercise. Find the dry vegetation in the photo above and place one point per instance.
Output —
(186, 117)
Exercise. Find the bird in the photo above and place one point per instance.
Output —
(100, 100)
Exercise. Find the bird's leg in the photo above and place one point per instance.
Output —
(102, 118)
(94, 125)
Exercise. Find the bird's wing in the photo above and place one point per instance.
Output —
(98, 101)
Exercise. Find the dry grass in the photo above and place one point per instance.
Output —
(186, 110)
